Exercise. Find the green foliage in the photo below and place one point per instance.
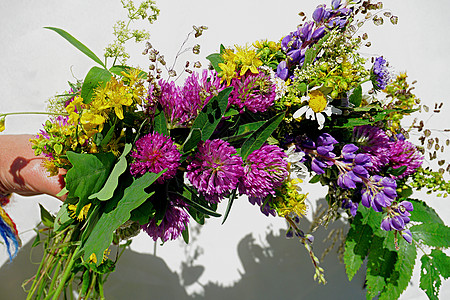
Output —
(113, 180)
(423, 213)
(160, 122)
(260, 136)
(388, 270)
(87, 175)
(102, 234)
(62, 219)
(432, 234)
(191, 197)
(210, 116)
(46, 218)
(434, 266)
(96, 77)
(312, 52)
(80, 46)
(215, 60)
(356, 96)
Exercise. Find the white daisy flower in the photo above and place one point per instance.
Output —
(316, 108)
(297, 170)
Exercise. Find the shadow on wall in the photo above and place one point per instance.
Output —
(280, 269)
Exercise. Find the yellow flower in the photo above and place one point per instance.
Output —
(113, 95)
(93, 257)
(228, 72)
(83, 213)
(289, 200)
(248, 59)
(74, 108)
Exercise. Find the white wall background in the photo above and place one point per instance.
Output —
(36, 64)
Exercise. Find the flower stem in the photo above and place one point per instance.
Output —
(67, 272)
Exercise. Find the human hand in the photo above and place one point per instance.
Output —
(22, 172)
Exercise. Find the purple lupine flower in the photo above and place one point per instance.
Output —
(349, 204)
(264, 206)
(319, 13)
(215, 169)
(378, 192)
(406, 234)
(172, 225)
(282, 70)
(325, 146)
(404, 153)
(352, 168)
(255, 92)
(265, 169)
(154, 153)
(374, 142)
(380, 74)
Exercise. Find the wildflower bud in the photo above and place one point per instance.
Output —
(196, 49)
(197, 64)
(172, 73)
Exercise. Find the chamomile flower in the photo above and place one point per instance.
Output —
(316, 107)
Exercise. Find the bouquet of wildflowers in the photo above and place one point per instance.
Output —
(144, 153)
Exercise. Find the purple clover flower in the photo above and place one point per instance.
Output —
(154, 153)
(255, 92)
(374, 142)
(380, 74)
(172, 225)
(404, 153)
(265, 169)
(181, 104)
(215, 169)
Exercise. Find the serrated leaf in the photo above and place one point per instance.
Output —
(96, 77)
(46, 218)
(87, 175)
(423, 213)
(402, 271)
(101, 236)
(357, 245)
(111, 183)
(430, 281)
(379, 267)
(210, 116)
(259, 137)
(77, 44)
(356, 96)
(442, 262)
(432, 234)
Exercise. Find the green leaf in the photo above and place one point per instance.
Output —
(62, 219)
(423, 213)
(432, 234)
(160, 122)
(102, 234)
(357, 245)
(191, 198)
(107, 138)
(113, 180)
(87, 175)
(95, 77)
(77, 44)
(402, 271)
(315, 179)
(215, 60)
(119, 69)
(356, 96)
(379, 267)
(46, 218)
(37, 240)
(396, 171)
(249, 127)
(195, 136)
(430, 281)
(212, 113)
(312, 52)
(230, 203)
(441, 262)
(260, 136)
(185, 233)
(143, 213)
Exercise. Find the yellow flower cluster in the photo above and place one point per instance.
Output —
(289, 200)
(239, 61)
